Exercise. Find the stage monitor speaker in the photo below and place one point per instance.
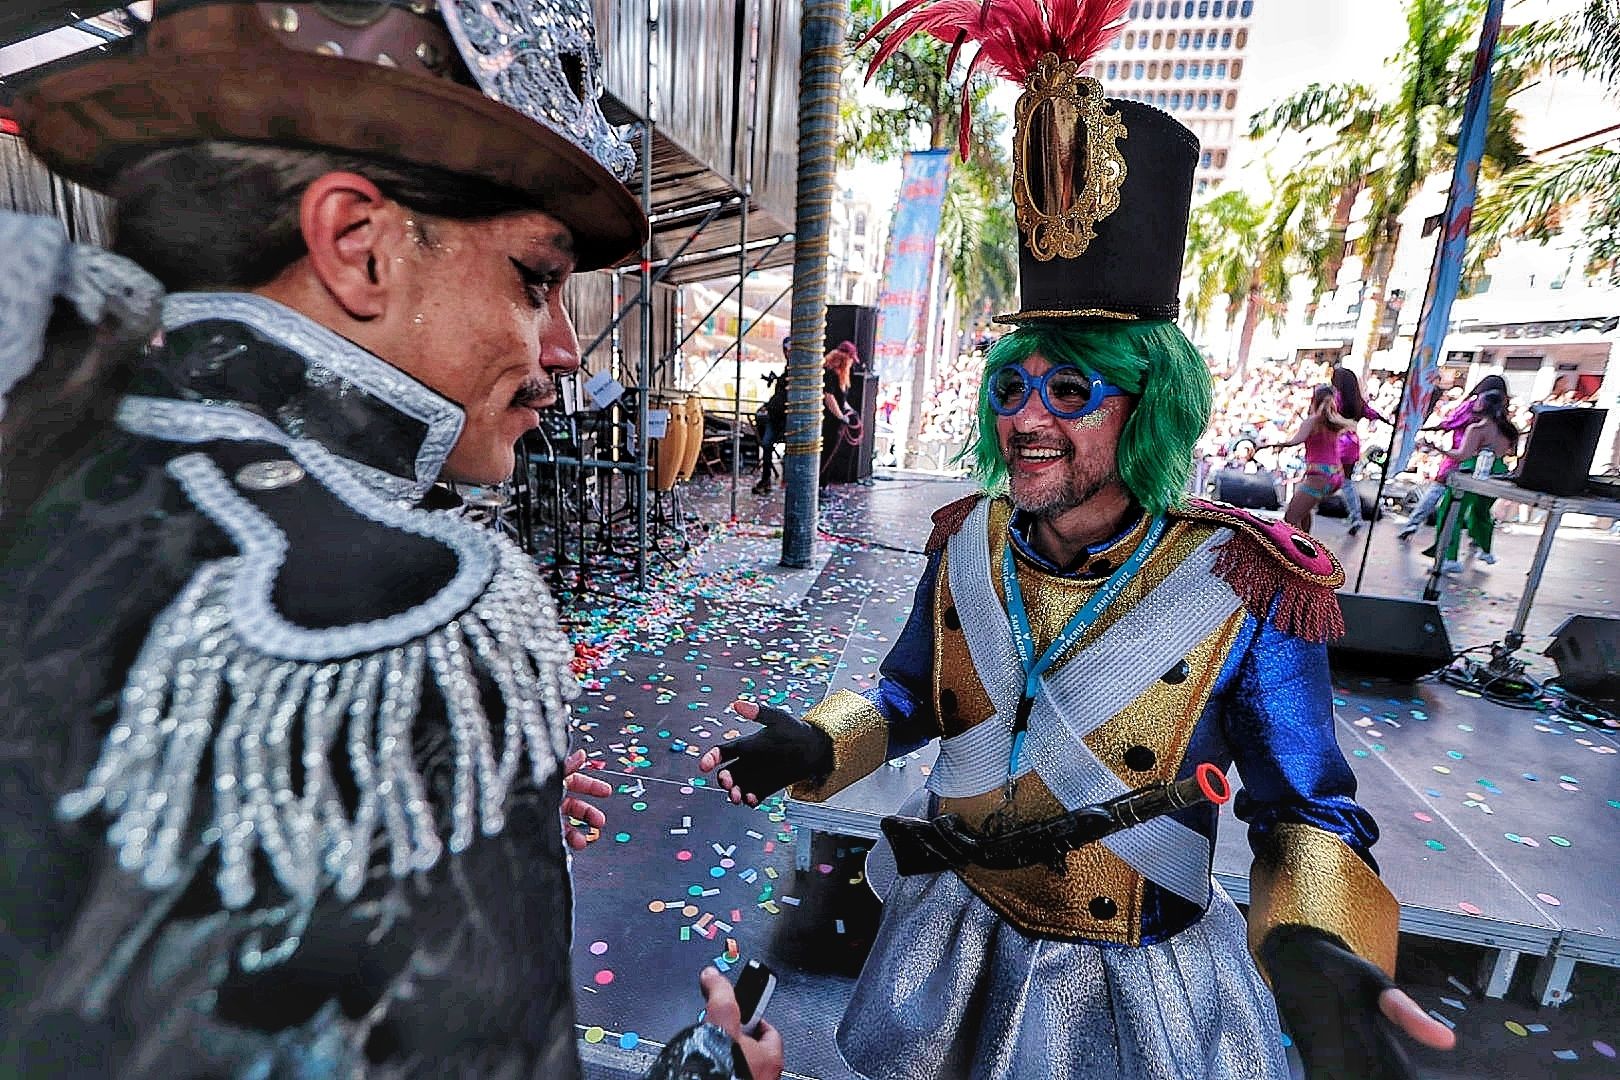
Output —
(1586, 649)
(1385, 635)
(1248, 491)
(857, 323)
(1558, 455)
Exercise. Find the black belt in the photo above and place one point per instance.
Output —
(945, 843)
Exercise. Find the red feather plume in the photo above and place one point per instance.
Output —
(1012, 35)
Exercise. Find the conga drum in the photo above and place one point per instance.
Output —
(669, 451)
(694, 437)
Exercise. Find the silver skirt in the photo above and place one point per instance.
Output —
(951, 991)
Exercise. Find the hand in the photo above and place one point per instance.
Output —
(1343, 1012)
(577, 783)
(764, 1050)
(786, 751)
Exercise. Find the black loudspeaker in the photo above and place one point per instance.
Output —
(1586, 649)
(1248, 491)
(1383, 635)
(1334, 505)
(857, 323)
(846, 464)
(1558, 455)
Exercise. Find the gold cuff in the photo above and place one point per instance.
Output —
(860, 738)
(1309, 877)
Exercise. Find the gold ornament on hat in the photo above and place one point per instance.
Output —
(1067, 167)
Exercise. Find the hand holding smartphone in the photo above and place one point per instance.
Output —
(755, 985)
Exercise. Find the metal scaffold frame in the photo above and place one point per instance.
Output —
(652, 367)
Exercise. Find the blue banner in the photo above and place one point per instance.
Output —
(1423, 374)
(909, 262)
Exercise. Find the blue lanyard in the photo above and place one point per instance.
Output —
(1082, 621)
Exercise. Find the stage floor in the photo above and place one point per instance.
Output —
(681, 878)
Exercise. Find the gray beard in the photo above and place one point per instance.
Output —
(1066, 497)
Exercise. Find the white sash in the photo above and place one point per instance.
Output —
(1079, 696)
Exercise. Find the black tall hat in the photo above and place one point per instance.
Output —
(1102, 186)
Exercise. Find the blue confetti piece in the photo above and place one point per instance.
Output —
(717, 871)
(1286, 1041)
(1566, 1055)
(629, 1040)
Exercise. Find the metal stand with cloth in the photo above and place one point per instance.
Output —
(1555, 505)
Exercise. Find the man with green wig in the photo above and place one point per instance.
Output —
(1093, 649)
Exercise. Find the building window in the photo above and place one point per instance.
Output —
(1248, 8)
(1220, 70)
(1130, 41)
(1203, 9)
(1198, 39)
(1242, 38)
(1209, 69)
(1153, 69)
(1175, 9)
(1220, 159)
(1164, 100)
(1206, 160)
(1136, 10)
(1181, 69)
(1139, 70)
(1226, 39)
(1237, 69)
(1185, 37)
(1175, 99)
(1158, 38)
(1141, 40)
(1113, 72)
(1161, 9)
(1203, 186)
(1231, 100)
(1203, 100)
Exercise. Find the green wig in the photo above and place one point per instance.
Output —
(1151, 361)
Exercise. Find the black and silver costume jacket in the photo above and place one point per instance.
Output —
(281, 754)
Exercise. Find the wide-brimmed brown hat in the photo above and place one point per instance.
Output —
(375, 77)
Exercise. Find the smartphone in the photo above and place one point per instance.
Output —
(755, 986)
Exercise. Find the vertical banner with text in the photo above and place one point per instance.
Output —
(909, 261)
(1423, 375)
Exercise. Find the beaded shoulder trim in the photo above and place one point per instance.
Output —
(222, 680)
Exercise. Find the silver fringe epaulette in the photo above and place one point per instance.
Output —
(220, 678)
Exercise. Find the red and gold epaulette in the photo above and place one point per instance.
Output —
(1276, 570)
(948, 521)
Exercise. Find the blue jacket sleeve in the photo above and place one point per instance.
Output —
(904, 693)
(1278, 720)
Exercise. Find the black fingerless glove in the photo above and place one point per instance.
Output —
(1328, 998)
(784, 751)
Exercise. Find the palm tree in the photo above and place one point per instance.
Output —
(1530, 201)
(978, 231)
(1389, 144)
(1249, 253)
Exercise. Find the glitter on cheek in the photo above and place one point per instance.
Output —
(1090, 422)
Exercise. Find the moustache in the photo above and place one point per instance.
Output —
(1022, 440)
(535, 388)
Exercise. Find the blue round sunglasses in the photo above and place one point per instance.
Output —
(1067, 392)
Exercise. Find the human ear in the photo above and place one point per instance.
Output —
(347, 225)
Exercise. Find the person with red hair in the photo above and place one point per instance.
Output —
(838, 416)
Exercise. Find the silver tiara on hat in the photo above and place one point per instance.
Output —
(540, 58)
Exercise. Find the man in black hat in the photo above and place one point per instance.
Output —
(1091, 647)
(285, 748)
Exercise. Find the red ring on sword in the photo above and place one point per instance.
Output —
(1213, 783)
